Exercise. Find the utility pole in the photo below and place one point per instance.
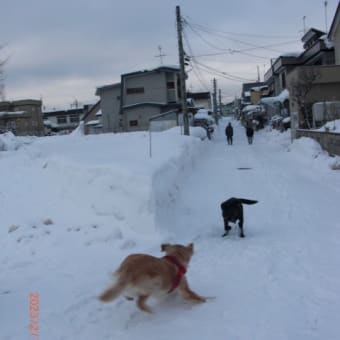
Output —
(182, 72)
(215, 102)
(220, 102)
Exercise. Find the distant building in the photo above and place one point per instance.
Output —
(201, 99)
(147, 93)
(64, 121)
(22, 117)
(246, 92)
(128, 105)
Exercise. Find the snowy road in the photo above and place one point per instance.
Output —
(282, 281)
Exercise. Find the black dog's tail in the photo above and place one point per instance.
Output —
(245, 201)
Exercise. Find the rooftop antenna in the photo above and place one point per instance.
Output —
(326, 23)
(304, 24)
(75, 104)
(160, 55)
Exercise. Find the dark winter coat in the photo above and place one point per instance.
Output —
(250, 132)
(229, 131)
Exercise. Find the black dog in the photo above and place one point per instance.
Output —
(232, 210)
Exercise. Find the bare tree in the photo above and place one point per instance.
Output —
(300, 88)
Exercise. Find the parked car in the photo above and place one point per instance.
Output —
(206, 121)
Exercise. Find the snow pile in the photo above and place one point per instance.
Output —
(331, 126)
(75, 174)
(9, 142)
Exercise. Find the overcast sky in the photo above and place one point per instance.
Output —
(62, 50)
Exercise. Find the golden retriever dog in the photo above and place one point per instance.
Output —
(140, 276)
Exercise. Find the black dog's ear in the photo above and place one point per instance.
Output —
(164, 246)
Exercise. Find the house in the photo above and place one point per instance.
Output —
(128, 105)
(310, 84)
(201, 99)
(316, 78)
(147, 93)
(246, 92)
(64, 121)
(22, 117)
(317, 51)
(258, 92)
(304, 78)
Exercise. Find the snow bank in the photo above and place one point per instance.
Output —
(96, 177)
(9, 142)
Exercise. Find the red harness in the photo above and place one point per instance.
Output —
(180, 273)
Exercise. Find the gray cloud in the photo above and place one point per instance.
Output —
(63, 50)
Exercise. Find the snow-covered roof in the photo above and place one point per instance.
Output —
(47, 122)
(99, 113)
(327, 41)
(259, 88)
(12, 113)
(284, 95)
(93, 122)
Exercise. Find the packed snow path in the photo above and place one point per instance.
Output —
(282, 281)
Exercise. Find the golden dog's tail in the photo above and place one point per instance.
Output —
(112, 292)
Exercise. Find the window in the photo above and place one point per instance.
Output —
(283, 80)
(61, 120)
(74, 118)
(135, 90)
(118, 98)
(133, 122)
(170, 84)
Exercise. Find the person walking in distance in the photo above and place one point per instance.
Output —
(250, 132)
(229, 132)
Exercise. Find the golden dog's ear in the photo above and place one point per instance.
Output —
(191, 247)
(164, 246)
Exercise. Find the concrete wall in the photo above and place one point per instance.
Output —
(329, 141)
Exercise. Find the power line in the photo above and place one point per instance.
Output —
(253, 46)
(222, 33)
(196, 71)
(222, 74)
